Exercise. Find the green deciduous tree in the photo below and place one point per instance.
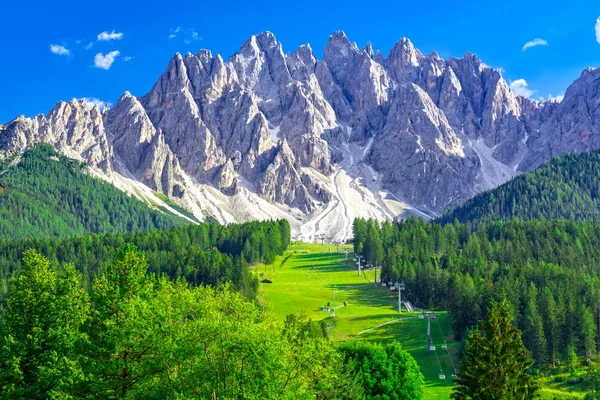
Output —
(387, 371)
(121, 347)
(40, 332)
(496, 363)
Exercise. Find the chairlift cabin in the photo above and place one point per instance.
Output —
(433, 316)
(444, 346)
(442, 376)
(421, 316)
(431, 348)
(454, 375)
(383, 284)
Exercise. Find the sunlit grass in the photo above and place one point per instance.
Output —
(305, 282)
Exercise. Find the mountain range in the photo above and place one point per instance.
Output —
(268, 134)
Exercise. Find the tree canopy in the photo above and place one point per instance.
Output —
(142, 336)
(547, 270)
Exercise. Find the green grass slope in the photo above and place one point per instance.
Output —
(566, 187)
(304, 280)
(46, 194)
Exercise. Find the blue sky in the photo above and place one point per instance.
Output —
(35, 75)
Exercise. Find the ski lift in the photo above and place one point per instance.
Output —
(431, 347)
(433, 316)
(442, 376)
(454, 375)
(421, 316)
(444, 346)
(383, 284)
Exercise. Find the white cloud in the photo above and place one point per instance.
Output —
(89, 45)
(128, 58)
(174, 32)
(105, 61)
(192, 35)
(533, 43)
(557, 99)
(60, 50)
(110, 36)
(598, 30)
(93, 101)
(520, 88)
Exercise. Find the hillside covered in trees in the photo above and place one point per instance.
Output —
(48, 195)
(567, 187)
(549, 271)
(204, 254)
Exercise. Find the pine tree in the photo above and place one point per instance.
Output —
(549, 309)
(496, 363)
(533, 329)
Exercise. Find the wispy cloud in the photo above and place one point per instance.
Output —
(174, 32)
(557, 99)
(89, 45)
(110, 36)
(598, 30)
(128, 58)
(93, 101)
(60, 50)
(105, 61)
(521, 88)
(191, 36)
(533, 43)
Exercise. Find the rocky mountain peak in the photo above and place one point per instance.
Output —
(319, 141)
(369, 50)
(338, 48)
(404, 53)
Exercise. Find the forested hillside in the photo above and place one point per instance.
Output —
(567, 187)
(47, 195)
(208, 253)
(548, 270)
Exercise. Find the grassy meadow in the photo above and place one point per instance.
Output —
(305, 278)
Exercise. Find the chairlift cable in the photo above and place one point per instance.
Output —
(447, 350)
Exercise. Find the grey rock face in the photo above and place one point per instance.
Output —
(573, 126)
(434, 131)
(418, 133)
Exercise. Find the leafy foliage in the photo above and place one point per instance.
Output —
(387, 371)
(49, 195)
(40, 332)
(565, 187)
(496, 365)
(140, 336)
